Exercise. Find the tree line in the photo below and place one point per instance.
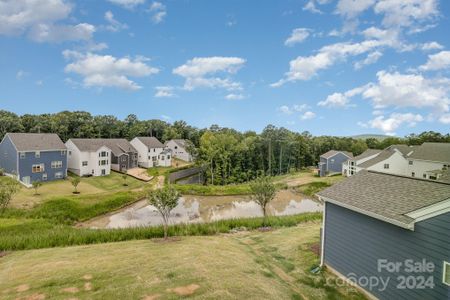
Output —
(228, 156)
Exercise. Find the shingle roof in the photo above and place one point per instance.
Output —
(334, 152)
(180, 142)
(117, 146)
(150, 142)
(432, 151)
(88, 145)
(404, 149)
(385, 154)
(36, 141)
(365, 154)
(386, 196)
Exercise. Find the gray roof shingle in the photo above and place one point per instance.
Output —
(88, 145)
(36, 141)
(432, 151)
(386, 196)
(367, 153)
(385, 154)
(117, 146)
(150, 142)
(334, 152)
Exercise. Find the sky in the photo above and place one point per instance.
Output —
(338, 67)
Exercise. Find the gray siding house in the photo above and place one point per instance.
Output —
(376, 226)
(331, 162)
(33, 157)
(123, 155)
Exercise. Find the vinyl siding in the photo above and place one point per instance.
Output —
(332, 164)
(354, 242)
(46, 158)
(8, 156)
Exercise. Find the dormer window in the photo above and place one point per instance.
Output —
(410, 162)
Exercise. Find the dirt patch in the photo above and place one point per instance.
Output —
(71, 290)
(170, 239)
(3, 253)
(88, 286)
(152, 297)
(265, 229)
(87, 277)
(33, 297)
(315, 248)
(185, 290)
(22, 288)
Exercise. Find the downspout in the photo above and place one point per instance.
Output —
(322, 242)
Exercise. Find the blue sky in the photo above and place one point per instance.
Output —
(329, 67)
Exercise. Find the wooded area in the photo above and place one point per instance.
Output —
(229, 156)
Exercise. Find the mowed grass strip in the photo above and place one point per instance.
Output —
(243, 265)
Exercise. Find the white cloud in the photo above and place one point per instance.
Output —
(202, 72)
(166, 118)
(437, 61)
(128, 3)
(431, 46)
(39, 19)
(294, 108)
(21, 74)
(108, 71)
(164, 92)
(285, 109)
(233, 96)
(445, 119)
(159, 12)
(311, 6)
(394, 121)
(298, 35)
(308, 115)
(113, 25)
(352, 8)
(340, 99)
(370, 59)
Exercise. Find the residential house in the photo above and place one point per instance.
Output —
(88, 157)
(151, 152)
(123, 155)
(429, 160)
(179, 149)
(378, 225)
(352, 166)
(331, 162)
(31, 157)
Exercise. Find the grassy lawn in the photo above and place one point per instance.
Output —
(26, 198)
(252, 265)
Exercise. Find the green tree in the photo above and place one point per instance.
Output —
(36, 185)
(164, 200)
(75, 181)
(263, 191)
(8, 188)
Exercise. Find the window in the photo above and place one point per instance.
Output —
(44, 177)
(124, 158)
(102, 162)
(413, 174)
(168, 156)
(154, 150)
(63, 152)
(22, 155)
(70, 153)
(176, 147)
(424, 175)
(103, 154)
(446, 273)
(38, 168)
(162, 157)
(57, 164)
(432, 177)
(59, 175)
(410, 162)
(386, 166)
(154, 158)
(37, 154)
(84, 163)
(332, 160)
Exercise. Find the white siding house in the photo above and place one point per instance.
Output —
(88, 157)
(178, 148)
(352, 166)
(151, 152)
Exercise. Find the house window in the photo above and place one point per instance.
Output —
(413, 174)
(37, 154)
(22, 155)
(124, 159)
(70, 153)
(410, 162)
(162, 157)
(432, 177)
(44, 177)
(154, 150)
(168, 156)
(57, 164)
(38, 168)
(332, 160)
(386, 166)
(154, 158)
(103, 154)
(59, 175)
(102, 162)
(446, 273)
(84, 163)
(63, 152)
(424, 175)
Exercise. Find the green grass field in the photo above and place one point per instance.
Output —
(246, 265)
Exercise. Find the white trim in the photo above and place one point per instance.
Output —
(430, 211)
(322, 246)
(370, 214)
(445, 265)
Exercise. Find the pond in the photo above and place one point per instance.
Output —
(195, 209)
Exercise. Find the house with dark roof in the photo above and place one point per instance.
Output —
(179, 148)
(331, 162)
(151, 152)
(88, 157)
(33, 157)
(391, 230)
(429, 161)
(352, 166)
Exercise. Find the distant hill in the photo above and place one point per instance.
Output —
(370, 136)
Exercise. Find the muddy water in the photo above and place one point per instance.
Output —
(195, 209)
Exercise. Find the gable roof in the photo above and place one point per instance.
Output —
(365, 154)
(150, 142)
(117, 146)
(432, 151)
(36, 141)
(385, 196)
(332, 153)
(383, 155)
(180, 142)
(88, 145)
(403, 149)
